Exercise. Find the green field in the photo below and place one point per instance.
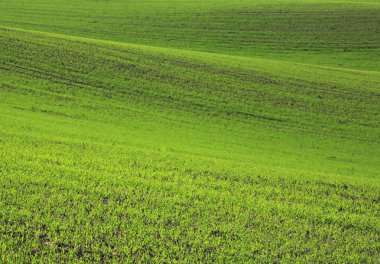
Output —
(189, 131)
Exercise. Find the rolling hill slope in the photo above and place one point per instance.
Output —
(116, 151)
(133, 132)
(337, 33)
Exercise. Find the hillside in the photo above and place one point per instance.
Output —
(332, 32)
(181, 147)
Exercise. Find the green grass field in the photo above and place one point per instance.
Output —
(189, 131)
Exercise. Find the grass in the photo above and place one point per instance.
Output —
(334, 33)
(184, 150)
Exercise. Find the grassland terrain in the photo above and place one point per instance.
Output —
(189, 131)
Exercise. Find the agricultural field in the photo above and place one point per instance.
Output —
(189, 131)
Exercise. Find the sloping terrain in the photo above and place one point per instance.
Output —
(337, 33)
(119, 152)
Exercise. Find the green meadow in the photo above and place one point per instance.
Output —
(189, 131)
